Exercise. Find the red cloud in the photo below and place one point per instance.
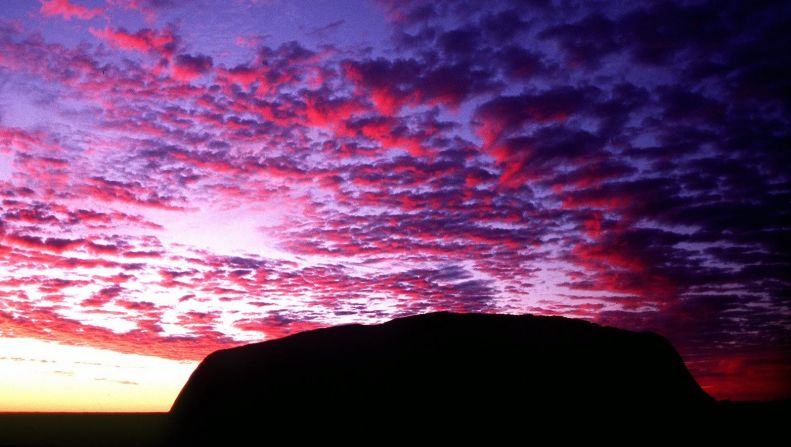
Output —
(275, 326)
(328, 113)
(145, 40)
(56, 245)
(241, 74)
(48, 324)
(187, 67)
(765, 375)
(68, 10)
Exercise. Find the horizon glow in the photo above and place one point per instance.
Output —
(42, 376)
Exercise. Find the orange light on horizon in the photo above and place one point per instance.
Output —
(44, 376)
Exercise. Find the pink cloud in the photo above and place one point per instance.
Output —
(187, 67)
(136, 5)
(68, 10)
(241, 74)
(145, 40)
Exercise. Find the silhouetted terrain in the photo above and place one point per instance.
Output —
(441, 374)
(441, 371)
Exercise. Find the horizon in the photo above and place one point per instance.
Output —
(179, 176)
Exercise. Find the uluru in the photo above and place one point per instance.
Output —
(434, 370)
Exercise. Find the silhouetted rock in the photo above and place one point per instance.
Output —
(441, 371)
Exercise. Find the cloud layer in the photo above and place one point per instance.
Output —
(625, 164)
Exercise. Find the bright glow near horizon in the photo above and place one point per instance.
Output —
(44, 376)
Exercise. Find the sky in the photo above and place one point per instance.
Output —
(178, 177)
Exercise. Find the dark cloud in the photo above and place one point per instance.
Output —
(187, 67)
(325, 31)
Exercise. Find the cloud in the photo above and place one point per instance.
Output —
(187, 67)
(507, 114)
(406, 82)
(323, 32)
(144, 41)
(488, 157)
(69, 10)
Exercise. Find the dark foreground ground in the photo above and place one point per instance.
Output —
(764, 419)
(78, 429)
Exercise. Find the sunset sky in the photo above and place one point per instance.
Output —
(182, 176)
